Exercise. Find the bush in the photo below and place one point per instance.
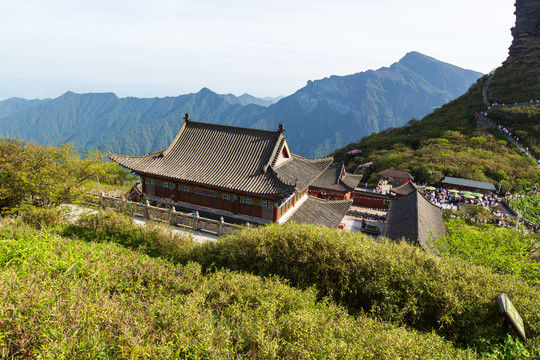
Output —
(529, 207)
(505, 250)
(43, 217)
(154, 239)
(475, 213)
(43, 175)
(394, 282)
(66, 299)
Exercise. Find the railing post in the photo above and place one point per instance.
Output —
(196, 221)
(101, 200)
(221, 225)
(147, 209)
(173, 216)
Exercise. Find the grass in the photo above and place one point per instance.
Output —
(394, 286)
(77, 299)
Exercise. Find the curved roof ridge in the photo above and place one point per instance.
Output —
(283, 181)
(233, 127)
(175, 140)
(312, 160)
(280, 141)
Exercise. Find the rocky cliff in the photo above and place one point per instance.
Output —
(526, 33)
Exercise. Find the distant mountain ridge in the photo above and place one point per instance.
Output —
(320, 117)
(15, 105)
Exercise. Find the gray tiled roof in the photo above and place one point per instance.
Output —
(227, 157)
(301, 171)
(336, 178)
(414, 218)
(468, 183)
(395, 174)
(319, 211)
(404, 189)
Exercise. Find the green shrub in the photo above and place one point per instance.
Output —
(505, 250)
(154, 239)
(43, 217)
(394, 282)
(66, 299)
(476, 213)
(529, 207)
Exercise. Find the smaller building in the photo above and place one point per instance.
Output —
(370, 199)
(395, 176)
(466, 184)
(405, 189)
(415, 219)
(334, 183)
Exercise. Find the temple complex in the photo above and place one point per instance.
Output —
(244, 172)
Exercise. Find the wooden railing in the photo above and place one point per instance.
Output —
(190, 221)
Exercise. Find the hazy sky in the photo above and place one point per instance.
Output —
(265, 48)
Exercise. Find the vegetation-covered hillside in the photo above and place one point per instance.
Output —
(524, 123)
(518, 79)
(448, 141)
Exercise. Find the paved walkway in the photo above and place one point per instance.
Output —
(484, 121)
(199, 236)
(485, 89)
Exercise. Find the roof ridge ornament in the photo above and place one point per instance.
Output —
(281, 129)
(186, 117)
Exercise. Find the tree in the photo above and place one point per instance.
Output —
(478, 141)
(115, 174)
(43, 175)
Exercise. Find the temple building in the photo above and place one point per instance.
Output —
(395, 176)
(405, 188)
(415, 219)
(237, 171)
(335, 183)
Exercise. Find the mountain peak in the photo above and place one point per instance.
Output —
(414, 57)
(71, 94)
(206, 90)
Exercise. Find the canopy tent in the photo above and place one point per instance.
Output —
(470, 184)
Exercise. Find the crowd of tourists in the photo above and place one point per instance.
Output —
(452, 198)
(503, 130)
